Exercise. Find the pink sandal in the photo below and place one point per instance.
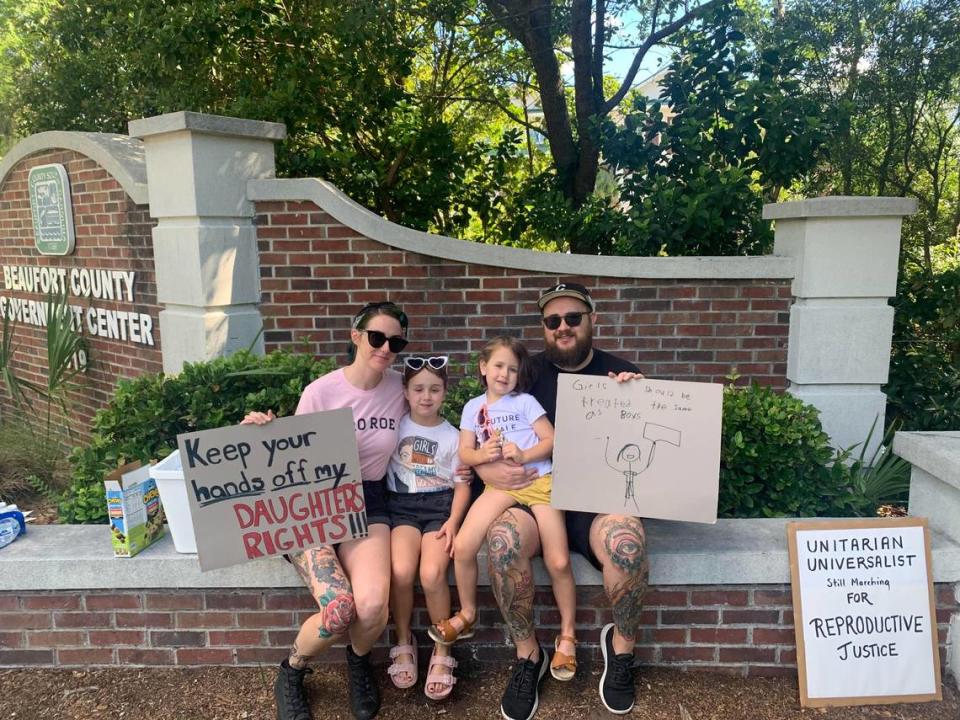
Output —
(397, 667)
(445, 680)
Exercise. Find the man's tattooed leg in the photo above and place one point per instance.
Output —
(627, 571)
(512, 587)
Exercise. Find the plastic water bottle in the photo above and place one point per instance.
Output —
(10, 527)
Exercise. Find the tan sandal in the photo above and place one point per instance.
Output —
(445, 679)
(563, 667)
(446, 634)
(397, 667)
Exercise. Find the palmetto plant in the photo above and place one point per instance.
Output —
(16, 386)
(64, 346)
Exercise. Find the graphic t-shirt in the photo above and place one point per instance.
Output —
(425, 459)
(376, 414)
(512, 416)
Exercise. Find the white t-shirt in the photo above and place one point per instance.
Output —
(512, 416)
(425, 459)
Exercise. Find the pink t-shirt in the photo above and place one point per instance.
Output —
(376, 414)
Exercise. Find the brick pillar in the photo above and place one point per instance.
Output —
(205, 241)
(846, 251)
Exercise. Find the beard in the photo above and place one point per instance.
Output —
(571, 358)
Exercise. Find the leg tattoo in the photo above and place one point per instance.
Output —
(512, 587)
(625, 543)
(331, 588)
(298, 659)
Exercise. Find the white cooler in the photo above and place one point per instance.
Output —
(173, 494)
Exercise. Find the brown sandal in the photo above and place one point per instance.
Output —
(563, 667)
(446, 634)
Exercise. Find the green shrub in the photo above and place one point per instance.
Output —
(30, 463)
(775, 458)
(147, 413)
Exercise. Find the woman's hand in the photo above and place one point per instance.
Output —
(447, 534)
(465, 473)
(512, 452)
(258, 418)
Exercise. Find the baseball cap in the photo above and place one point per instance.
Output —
(566, 289)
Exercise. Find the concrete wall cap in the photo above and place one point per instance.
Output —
(119, 155)
(937, 453)
(731, 552)
(840, 206)
(209, 124)
(332, 201)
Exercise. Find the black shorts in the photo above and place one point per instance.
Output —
(578, 532)
(426, 511)
(375, 499)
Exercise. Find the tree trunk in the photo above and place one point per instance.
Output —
(530, 23)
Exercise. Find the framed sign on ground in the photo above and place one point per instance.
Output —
(263, 490)
(864, 612)
(649, 448)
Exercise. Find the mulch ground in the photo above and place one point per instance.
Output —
(247, 694)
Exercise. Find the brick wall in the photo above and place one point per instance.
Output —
(112, 233)
(741, 629)
(315, 273)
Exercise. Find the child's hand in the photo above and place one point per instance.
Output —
(512, 452)
(465, 473)
(490, 451)
(447, 533)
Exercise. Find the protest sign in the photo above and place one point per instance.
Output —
(863, 609)
(646, 447)
(257, 491)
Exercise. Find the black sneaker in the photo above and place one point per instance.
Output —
(617, 690)
(364, 690)
(522, 695)
(289, 694)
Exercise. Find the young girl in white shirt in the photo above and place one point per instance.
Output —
(426, 501)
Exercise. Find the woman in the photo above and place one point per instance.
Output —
(351, 582)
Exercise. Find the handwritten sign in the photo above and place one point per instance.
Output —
(257, 491)
(863, 610)
(647, 447)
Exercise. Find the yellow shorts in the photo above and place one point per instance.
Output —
(537, 493)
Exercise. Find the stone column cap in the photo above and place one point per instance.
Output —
(937, 453)
(207, 124)
(840, 206)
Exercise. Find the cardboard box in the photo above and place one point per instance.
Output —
(133, 504)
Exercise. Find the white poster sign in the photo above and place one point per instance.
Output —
(649, 448)
(864, 611)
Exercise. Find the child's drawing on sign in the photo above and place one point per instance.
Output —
(632, 459)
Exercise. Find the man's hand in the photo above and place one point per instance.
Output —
(624, 376)
(506, 475)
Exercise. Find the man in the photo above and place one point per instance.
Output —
(614, 544)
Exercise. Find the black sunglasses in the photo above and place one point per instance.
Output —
(416, 363)
(377, 339)
(552, 322)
